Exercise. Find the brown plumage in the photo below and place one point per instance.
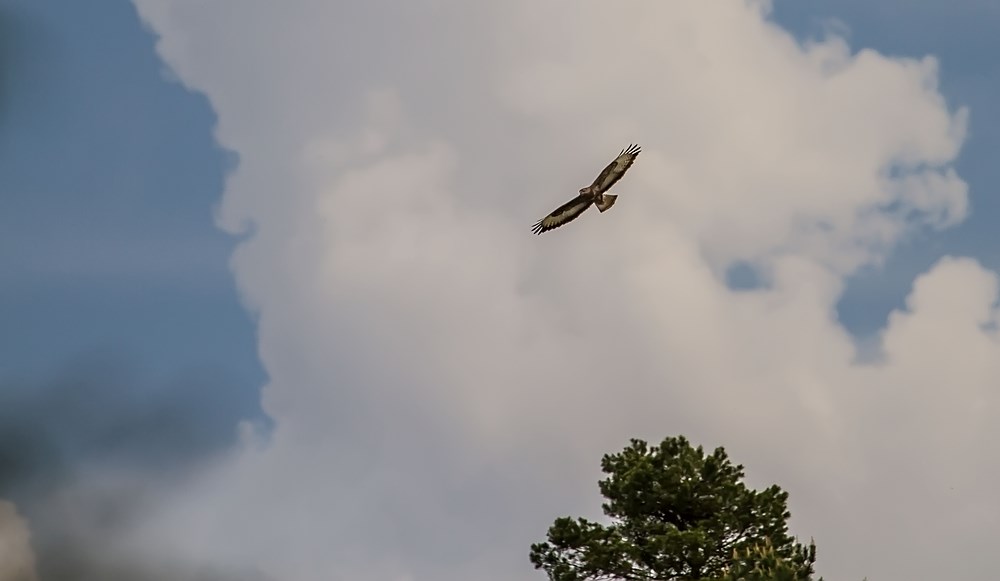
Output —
(592, 194)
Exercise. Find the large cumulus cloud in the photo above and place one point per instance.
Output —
(443, 383)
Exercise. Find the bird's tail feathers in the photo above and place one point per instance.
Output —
(606, 203)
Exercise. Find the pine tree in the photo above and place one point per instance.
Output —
(762, 563)
(676, 514)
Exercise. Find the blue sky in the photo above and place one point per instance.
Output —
(109, 177)
(114, 279)
(962, 36)
(122, 338)
(109, 180)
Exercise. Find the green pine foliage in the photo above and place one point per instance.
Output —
(762, 563)
(677, 514)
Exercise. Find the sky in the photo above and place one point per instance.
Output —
(270, 306)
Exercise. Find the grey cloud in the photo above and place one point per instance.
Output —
(97, 410)
(85, 453)
(17, 560)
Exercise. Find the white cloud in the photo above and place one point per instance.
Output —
(444, 383)
(17, 560)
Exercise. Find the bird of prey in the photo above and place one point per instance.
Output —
(592, 194)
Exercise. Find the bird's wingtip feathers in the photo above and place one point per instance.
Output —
(632, 149)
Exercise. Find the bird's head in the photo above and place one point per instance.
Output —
(585, 191)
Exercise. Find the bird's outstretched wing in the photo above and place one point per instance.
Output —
(563, 214)
(616, 169)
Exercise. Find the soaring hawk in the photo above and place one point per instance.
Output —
(592, 194)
